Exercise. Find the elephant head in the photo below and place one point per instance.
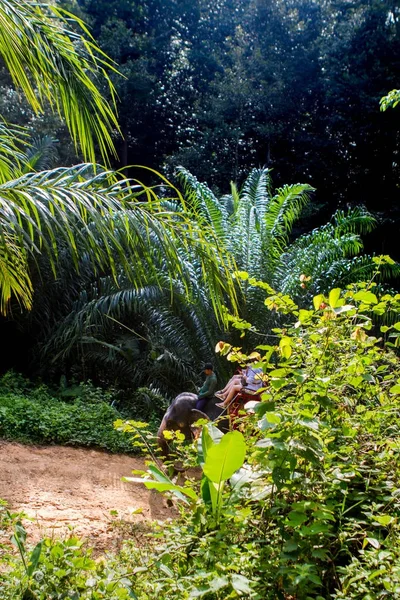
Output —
(181, 415)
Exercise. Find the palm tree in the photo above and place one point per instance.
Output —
(85, 208)
(141, 337)
(144, 337)
(148, 335)
(255, 226)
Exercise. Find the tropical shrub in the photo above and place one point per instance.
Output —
(55, 568)
(33, 415)
(312, 513)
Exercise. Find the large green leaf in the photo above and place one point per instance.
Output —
(210, 436)
(225, 458)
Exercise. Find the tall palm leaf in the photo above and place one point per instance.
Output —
(283, 211)
(14, 275)
(51, 62)
(100, 214)
(13, 154)
(203, 205)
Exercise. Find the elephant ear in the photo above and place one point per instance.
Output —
(195, 415)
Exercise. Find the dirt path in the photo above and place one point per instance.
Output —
(60, 487)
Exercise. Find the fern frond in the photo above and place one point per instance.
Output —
(355, 220)
(204, 205)
(41, 154)
(256, 192)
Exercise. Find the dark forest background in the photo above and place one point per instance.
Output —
(223, 86)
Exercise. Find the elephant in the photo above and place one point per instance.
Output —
(181, 415)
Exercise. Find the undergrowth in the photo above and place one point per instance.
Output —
(34, 415)
(300, 502)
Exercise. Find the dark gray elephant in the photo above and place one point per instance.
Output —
(181, 415)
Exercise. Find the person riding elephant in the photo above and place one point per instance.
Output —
(187, 408)
(208, 388)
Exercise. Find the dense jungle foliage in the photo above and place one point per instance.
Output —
(129, 279)
(291, 89)
(300, 501)
(81, 415)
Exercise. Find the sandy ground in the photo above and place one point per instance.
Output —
(60, 488)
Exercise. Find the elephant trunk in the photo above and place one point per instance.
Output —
(162, 442)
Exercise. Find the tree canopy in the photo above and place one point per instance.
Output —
(232, 85)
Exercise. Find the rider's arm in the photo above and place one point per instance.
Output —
(208, 388)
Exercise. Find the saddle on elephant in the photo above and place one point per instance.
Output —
(244, 386)
(238, 403)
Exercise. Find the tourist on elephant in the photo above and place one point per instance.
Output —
(250, 381)
(236, 378)
(208, 388)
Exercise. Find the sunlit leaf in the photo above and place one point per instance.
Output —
(225, 458)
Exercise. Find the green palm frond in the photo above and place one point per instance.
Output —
(284, 209)
(247, 240)
(14, 277)
(247, 222)
(256, 192)
(314, 255)
(50, 61)
(356, 220)
(175, 336)
(201, 201)
(13, 140)
(364, 268)
(41, 154)
(329, 255)
(257, 225)
(100, 214)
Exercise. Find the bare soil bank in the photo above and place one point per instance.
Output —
(61, 487)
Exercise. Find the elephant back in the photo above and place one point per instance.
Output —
(215, 412)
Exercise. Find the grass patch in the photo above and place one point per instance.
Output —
(36, 416)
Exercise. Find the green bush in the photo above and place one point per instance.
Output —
(37, 417)
(55, 569)
(312, 508)
(313, 512)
